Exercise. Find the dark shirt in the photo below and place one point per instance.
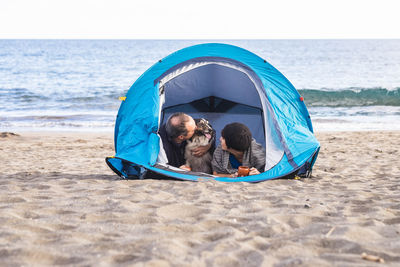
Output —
(234, 162)
(176, 152)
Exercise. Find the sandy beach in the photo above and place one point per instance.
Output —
(61, 205)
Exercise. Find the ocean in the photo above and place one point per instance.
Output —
(74, 85)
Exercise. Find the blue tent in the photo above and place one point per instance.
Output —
(224, 84)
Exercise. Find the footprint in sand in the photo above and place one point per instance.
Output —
(14, 200)
(392, 221)
(42, 257)
(179, 211)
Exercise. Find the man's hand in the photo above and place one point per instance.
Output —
(253, 171)
(186, 168)
(201, 150)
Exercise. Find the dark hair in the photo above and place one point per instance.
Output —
(179, 128)
(237, 136)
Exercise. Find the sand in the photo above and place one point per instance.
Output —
(61, 205)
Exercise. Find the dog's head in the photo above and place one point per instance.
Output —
(203, 128)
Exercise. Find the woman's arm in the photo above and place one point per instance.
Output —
(216, 162)
(225, 175)
(258, 157)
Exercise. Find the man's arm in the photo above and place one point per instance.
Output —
(185, 167)
(201, 150)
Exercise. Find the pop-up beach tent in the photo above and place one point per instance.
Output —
(224, 84)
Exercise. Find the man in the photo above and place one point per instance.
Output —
(174, 133)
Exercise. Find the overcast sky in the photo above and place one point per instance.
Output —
(200, 19)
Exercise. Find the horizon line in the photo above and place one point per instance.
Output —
(195, 39)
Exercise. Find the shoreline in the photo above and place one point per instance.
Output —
(111, 130)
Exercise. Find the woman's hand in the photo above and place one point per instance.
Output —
(253, 171)
(201, 150)
(232, 175)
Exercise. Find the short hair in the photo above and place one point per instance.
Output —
(237, 136)
(176, 129)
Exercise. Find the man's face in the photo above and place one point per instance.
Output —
(191, 127)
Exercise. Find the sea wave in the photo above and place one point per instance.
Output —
(351, 97)
(86, 95)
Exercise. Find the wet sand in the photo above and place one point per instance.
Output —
(61, 205)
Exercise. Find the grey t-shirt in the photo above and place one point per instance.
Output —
(254, 156)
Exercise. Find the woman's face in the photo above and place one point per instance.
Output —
(223, 144)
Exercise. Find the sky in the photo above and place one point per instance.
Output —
(200, 19)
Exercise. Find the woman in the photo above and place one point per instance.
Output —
(237, 148)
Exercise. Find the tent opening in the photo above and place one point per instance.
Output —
(221, 94)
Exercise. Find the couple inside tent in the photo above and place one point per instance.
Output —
(189, 144)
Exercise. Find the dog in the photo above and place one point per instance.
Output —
(201, 137)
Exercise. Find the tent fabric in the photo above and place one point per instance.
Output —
(222, 83)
